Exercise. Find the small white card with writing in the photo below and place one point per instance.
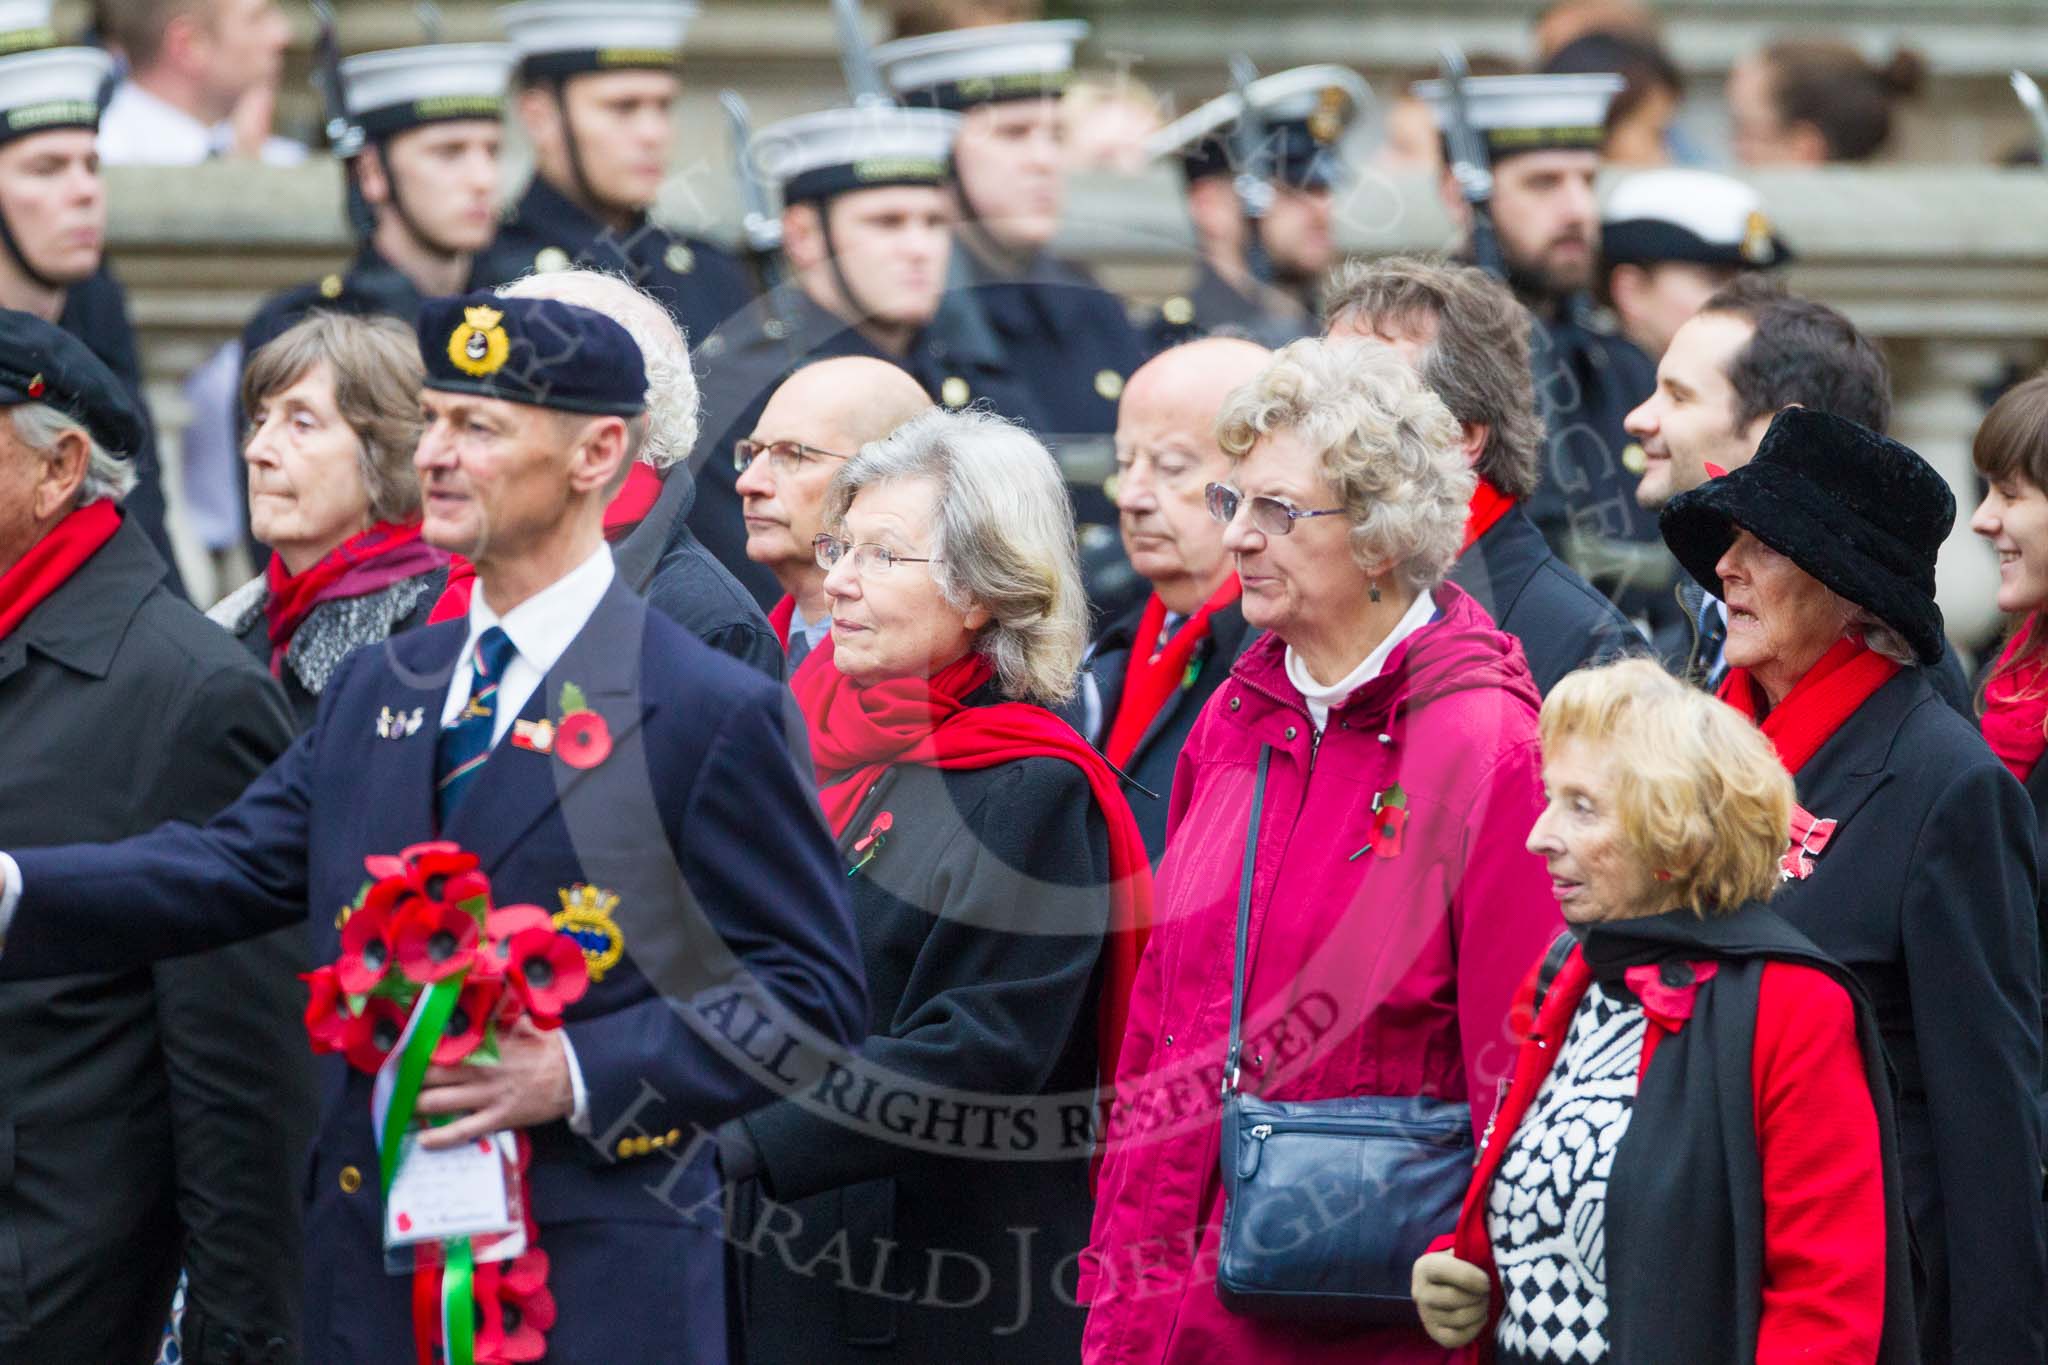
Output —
(458, 1192)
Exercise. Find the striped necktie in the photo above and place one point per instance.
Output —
(466, 742)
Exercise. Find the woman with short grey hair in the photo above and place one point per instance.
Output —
(1381, 741)
(334, 417)
(998, 883)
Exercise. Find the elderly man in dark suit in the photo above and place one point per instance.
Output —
(1468, 339)
(1152, 668)
(667, 820)
(143, 1111)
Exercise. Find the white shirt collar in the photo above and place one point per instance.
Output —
(812, 631)
(543, 626)
(1321, 698)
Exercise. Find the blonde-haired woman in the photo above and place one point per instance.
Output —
(999, 882)
(1392, 908)
(1694, 1160)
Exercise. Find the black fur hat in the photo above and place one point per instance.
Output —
(1860, 512)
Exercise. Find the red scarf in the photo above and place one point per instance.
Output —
(51, 561)
(627, 509)
(1845, 677)
(366, 562)
(1155, 674)
(857, 733)
(782, 616)
(634, 500)
(2016, 706)
(1488, 506)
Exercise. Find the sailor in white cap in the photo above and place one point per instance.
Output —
(1542, 135)
(425, 131)
(1260, 263)
(1069, 342)
(53, 215)
(598, 85)
(866, 233)
(1669, 238)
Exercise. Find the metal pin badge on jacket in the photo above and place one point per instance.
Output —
(399, 724)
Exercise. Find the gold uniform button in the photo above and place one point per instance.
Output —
(330, 288)
(954, 393)
(1109, 384)
(551, 259)
(1178, 310)
(351, 1180)
(1633, 459)
(625, 1148)
(680, 259)
(675, 1135)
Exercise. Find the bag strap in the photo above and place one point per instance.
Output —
(1244, 916)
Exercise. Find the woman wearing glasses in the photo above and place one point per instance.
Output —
(1393, 908)
(930, 1194)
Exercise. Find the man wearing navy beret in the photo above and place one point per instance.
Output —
(686, 850)
(144, 1112)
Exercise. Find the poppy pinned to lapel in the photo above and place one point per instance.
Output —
(1810, 837)
(869, 844)
(1389, 819)
(581, 739)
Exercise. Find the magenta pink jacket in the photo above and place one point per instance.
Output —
(1374, 971)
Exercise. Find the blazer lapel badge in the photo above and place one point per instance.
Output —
(400, 724)
(586, 916)
(1810, 837)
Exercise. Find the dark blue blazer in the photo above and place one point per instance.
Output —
(731, 905)
(1562, 620)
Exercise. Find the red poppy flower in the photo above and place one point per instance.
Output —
(883, 824)
(548, 972)
(366, 952)
(583, 740)
(1387, 826)
(464, 1032)
(434, 941)
(526, 1307)
(328, 1023)
(383, 1021)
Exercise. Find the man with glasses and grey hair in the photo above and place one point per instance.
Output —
(815, 421)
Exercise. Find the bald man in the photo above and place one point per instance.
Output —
(1150, 671)
(819, 417)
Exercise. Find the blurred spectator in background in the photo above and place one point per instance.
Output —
(1408, 141)
(1807, 102)
(915, 18)
(1669, 239)
(1104, 124)
(201, 82)
(1639, 121)
(1566, 21)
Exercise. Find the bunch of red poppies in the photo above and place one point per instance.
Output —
(426, 916)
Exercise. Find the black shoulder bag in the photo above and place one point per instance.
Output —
(1327, 1203)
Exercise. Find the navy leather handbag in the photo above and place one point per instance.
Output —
(1327, 1203)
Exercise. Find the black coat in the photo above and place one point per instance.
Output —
(2037, 791)
(1210, 306)
(1927, 892)
(144, 1112)
(1151, 764)
(1561, 620)
(328, 633)
(663, 561)
(96, 312)
(973, 994)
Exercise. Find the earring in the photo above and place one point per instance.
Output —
(1372, 590)
(1662, 875)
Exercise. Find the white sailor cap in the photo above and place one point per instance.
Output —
(25, 26)
(970, 66)
(1531, 113)
(815, 156)
(1679, 214)
(56, 87)
(1304, 112)
(561, 38)
(389, 92)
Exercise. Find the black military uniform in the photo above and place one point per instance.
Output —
(1069, 343)
(817, 157)
(159, 1116)
(554, 227)
(370, 287)
(1294, 139)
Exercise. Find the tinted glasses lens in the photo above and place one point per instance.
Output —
(1222, 502)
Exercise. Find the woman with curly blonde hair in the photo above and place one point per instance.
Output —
(1694, 1159)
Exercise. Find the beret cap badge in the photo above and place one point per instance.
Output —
(1756, 238)
(479, 346)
